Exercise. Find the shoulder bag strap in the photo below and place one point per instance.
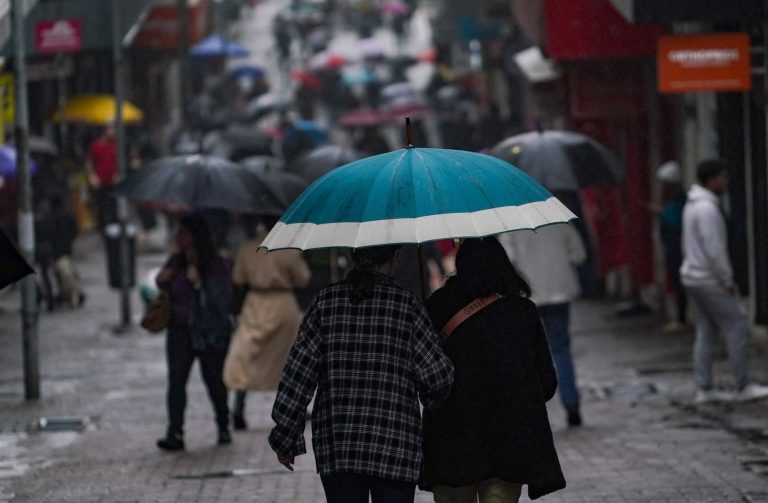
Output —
(467, 311)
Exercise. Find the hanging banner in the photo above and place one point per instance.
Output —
(704, 63)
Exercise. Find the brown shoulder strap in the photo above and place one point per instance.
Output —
(467, 311)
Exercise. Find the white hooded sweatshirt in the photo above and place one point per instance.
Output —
(705, 241)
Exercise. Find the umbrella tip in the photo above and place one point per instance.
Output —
(408, 133)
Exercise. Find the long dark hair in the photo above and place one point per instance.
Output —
(197, 227)
(483, 268)
(363, 276)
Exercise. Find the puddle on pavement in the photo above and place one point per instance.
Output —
(624, 391)
(244, 472)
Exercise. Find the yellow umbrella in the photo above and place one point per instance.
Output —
(96, 109)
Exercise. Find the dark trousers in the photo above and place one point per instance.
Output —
(354, 488)
(181, 356)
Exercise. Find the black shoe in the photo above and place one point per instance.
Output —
(225, 438)
(238, 422)
(171, 442)
(574, 417)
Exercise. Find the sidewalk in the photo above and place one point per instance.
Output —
(643, 441)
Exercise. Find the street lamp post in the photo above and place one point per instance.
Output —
(122, 203)
(29, 312)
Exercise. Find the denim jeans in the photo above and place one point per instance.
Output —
(354, 488)
(556, 318)
(719, 313)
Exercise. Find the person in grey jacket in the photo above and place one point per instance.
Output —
(707, 276)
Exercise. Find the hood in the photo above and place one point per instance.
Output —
(697, 193)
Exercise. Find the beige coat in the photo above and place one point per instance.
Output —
(270, 318)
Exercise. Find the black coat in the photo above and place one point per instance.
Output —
(494, 423)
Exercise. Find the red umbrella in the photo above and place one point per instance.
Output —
(363, 117)
(395, 7)
(414, 110)
(307, 79)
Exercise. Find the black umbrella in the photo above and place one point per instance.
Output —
(321, 160)
(561, 160)
(200, 181)
(237, 142)
(285, 186)
(13, 267)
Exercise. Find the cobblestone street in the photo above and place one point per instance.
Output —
(643, 440)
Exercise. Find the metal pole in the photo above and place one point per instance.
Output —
(185, 79)
(122, 204)
(26, 220)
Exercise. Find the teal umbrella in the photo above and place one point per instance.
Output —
(415, 195)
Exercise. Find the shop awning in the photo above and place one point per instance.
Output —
(672, 11)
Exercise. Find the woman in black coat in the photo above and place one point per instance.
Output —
(492, 435)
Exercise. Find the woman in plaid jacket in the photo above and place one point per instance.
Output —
(368, 347)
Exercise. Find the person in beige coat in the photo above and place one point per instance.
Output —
(268, 321)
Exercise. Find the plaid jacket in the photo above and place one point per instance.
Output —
(370, 363)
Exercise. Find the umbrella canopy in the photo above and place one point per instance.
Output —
(395, 7)
(250, 71)
(265, 104)
(284, 186)
(237, 141)
(321, 160)
(200, 181)
(326, 60)
(96, 109)
(8, 165)
(414, 195)
(13, 267)
(313, 130)
(363, 117)
(354, 75)
(306, 79)
(218, 46)
(561, 160)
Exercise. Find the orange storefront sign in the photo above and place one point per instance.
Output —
(700, 63)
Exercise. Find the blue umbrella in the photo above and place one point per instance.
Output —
(216, 45)
(414, 195)
(8, 166)
(249, 71)
(312, 130)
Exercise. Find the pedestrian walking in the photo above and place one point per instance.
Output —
(670, 218)
(492, 434)
(369, 348)
(56, 231)
(707, 276)
(548, 258)
(101, 167)
(200, 285)
(269, 317)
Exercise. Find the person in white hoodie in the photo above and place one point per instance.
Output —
(707, 276)
(548, 259)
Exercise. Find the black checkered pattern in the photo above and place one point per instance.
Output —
(370, 363)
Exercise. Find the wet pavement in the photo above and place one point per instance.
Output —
(643, 440)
